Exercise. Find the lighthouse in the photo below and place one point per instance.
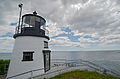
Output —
(31, 50)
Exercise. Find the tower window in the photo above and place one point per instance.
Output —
(45, 44)
(28, 56)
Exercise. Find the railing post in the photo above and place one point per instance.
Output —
(31, 74)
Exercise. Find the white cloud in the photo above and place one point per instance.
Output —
(9, 14)
(6, 44)
(86, 40)
(54, 29)
(65, 41)
(95, 18)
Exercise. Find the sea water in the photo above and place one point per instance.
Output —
(107, 59)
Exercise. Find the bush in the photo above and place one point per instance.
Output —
(4, 64)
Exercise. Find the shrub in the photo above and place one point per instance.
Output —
(4, 64)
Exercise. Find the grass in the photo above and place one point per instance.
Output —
(4, 66)
(83, 75)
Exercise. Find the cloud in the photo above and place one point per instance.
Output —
(6, 44)
(9, 16)
(65, 41)
(90, 22)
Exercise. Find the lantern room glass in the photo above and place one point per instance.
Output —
(32, 21)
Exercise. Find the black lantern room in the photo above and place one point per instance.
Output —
(32, 25)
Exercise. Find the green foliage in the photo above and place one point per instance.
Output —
(3, 65)
(4, 61)
(83, 75)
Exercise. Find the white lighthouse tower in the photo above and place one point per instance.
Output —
(30, 50)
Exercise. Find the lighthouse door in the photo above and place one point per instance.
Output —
(46, 54)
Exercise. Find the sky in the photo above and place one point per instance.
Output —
(74, 25)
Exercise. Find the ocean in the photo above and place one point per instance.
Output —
(107, 59)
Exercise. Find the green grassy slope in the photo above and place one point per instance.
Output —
(83, 75)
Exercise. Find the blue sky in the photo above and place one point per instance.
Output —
(8, 34)
(70, 34)
(13, 24)
(74, 25)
